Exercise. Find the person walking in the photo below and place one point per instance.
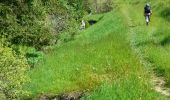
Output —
(147, 13)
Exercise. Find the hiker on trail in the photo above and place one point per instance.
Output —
(83, 24)
(147, 12)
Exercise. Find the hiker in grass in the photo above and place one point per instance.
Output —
(83, 24)
(147, 12)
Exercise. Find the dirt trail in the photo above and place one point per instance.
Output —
(159, 82)
(65, 96)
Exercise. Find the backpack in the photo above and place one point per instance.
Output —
(147, 9)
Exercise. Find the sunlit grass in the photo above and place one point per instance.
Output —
(153, 41)
(101, 59)
(83, 63)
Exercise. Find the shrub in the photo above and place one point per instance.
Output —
(101, 6)
(12, 74)
(25, 23)
(38, 23)
(33, 56)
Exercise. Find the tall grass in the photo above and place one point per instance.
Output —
(80, 64)
(132, 88)
(153, 41)
(148, 40)
(101, 59)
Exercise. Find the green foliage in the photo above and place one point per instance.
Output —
(34, 24)
(2, 96)
(165, 13)
(96, 17)
(76, 7)
(153, 42)
(31, 54)
(24, 26)
(132, 88)
(12, 75)
(93, 58)
(38, 23)
(100, 54)
(100, 6)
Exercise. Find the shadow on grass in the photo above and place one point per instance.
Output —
(165, 13)
(165, 41)
(167, 84)
(159, 71)
(94, 21)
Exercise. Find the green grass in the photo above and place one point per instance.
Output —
(132, 88)
(83, 63)
(102, 60)
(151, 44)
(96, 17)
(153, 41)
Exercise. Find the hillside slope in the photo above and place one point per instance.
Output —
(103, 58)
(146, 43)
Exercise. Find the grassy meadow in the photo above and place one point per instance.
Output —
(107, 59)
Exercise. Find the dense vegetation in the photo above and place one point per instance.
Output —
(25, 25)
(12, 75)
(113, 59)
(28, 27)
(28, 22)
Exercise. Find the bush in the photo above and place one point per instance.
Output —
(33, 56)
(25, 23)
(101, 6)
(37, 23)
(12, 75)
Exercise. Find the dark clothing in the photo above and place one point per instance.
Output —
(147, 9)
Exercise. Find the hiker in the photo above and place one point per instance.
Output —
(147, 13)
(83, 25)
